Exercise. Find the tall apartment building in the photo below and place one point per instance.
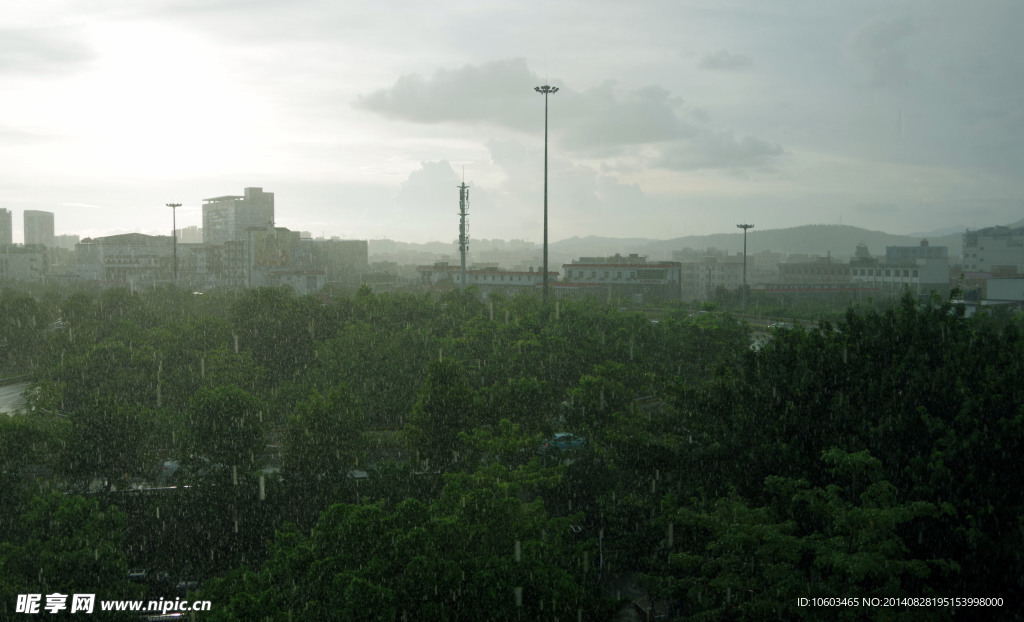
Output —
(6, 228)
(227, 218)
(38, 228)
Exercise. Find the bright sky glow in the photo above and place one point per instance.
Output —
(673, 117)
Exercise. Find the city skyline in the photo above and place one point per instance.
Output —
(680, 119)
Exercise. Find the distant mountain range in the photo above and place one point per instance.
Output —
(838, 240)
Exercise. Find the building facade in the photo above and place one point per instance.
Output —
(815, 271)
(38, 228)
(267, 257)
(190, 235)
(23, 263)
(624, 277)
(488, 280)
(6, 227)
(922, 269)
(998, 251)
(228, 218)
(134, 260)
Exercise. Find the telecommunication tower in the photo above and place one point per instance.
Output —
(463, 231)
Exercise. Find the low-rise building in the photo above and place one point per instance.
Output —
(135, 260)
(487, 279)
(624, 277)
(24, 263)
(267, 257)
(703, 272)
(998, 251)
(922, 269)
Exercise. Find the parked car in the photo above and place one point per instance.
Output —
(563, 441)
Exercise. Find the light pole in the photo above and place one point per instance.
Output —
(174, 233)
(745, 227)
(546, 90)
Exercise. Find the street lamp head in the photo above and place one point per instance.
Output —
(173, 205)
(546, 89)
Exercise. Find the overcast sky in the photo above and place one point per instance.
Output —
(674, 117)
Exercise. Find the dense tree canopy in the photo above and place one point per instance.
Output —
(393, 442)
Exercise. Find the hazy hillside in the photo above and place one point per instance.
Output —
(839, 240)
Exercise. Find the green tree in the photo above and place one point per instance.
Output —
(323, 441)
(724, 560)
(107, 441)
(446, 405)
(225, 426)
(65, 544)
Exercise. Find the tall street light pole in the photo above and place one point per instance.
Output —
(174, 233)
(745, 227)
(546, 90)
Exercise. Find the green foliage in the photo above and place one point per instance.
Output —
(382, 366)
(224, 426)
(526, 401)
(278, 328)
(323, 441)
(64, 544)
(461, 558)
(23, 322)
(880, 453)
(445, 406)
(936, 398)
(726, 560)
(106, 440)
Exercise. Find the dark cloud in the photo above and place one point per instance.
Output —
(498, 92)
(723, 60)
(41, 51)
(600, 122)
(878, 50)
(605, 118)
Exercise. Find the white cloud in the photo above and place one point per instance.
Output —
(42, 51)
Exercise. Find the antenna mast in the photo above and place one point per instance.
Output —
(463, 230)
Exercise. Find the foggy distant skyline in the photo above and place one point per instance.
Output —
(673, 118)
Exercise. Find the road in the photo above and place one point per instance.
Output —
(11, 397)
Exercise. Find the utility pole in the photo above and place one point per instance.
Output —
(174, 233)
(463, 230)
(745, 227)
(546, 90)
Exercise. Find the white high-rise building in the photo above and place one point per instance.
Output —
(227, 218)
